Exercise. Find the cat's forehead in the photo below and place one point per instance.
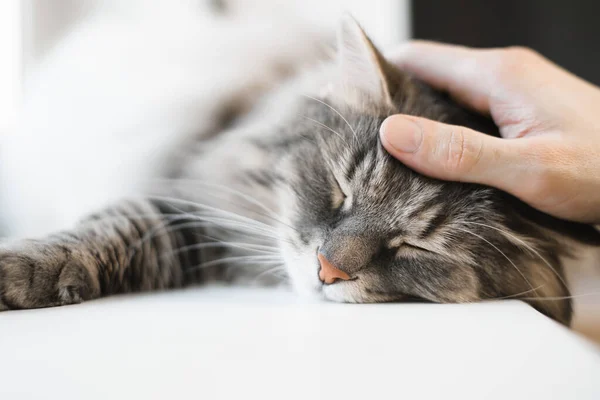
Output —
(382, 187)
(348, 146)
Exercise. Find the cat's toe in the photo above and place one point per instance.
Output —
(69, 295)
(75, 284)
(35, 275)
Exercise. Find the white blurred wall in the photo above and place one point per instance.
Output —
(387, 21)
(10, 62)
(30, 28)
(46, 21)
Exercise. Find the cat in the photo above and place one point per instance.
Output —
(291, 185)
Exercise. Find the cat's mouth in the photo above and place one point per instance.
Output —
(355, 291)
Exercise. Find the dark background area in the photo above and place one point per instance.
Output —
(567, 32)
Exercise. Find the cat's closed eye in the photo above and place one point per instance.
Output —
(338, 196)
(399, 244)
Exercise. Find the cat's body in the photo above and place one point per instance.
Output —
(241, 185)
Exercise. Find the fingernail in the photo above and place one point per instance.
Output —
(401, 133)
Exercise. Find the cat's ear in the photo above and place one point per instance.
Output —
(364, 72)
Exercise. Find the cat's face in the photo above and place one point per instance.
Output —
(399, 235)
(393, 233)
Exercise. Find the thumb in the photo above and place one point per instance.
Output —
(451, 152)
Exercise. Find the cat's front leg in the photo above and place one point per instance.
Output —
(134, 246)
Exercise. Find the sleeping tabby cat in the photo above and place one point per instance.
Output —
(299, 189)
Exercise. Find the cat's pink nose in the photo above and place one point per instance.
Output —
(328, 273)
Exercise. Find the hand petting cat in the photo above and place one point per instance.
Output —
(549, 155)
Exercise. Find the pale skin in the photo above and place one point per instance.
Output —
(549, 119)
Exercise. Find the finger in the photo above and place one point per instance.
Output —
(459, 70)
(454, 153)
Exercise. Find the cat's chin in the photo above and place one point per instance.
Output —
(347, 292)
(338, 292)
(354, 292)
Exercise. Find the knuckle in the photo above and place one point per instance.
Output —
(520, 53)
(513, 61)
(463, 151)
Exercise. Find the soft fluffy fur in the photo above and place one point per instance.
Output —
(255, 195)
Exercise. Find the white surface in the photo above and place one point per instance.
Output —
(212, 343)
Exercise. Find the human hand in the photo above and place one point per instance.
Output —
(549, 119)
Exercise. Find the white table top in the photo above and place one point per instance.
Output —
(213, 343)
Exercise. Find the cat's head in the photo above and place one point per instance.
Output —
(362, 227)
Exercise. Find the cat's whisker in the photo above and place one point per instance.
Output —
(308, 138)
(239, 260)
(515, 295)
(206, 207)
(219, 220)
(273, 251)
(170, 218)
(202, 221)
(526, 245)
(270, 213)
(555, 298)
(197, 216)
(223, 188)
(501, 252)
(335, 111)
(273, 270)
(208, 245)
(322, 125)
(230, 226)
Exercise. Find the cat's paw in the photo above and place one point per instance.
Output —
(36, 274)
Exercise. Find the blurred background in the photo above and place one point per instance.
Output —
(566, 32)
(30, 28)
